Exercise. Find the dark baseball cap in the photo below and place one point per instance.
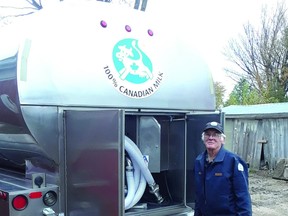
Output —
(214, 125)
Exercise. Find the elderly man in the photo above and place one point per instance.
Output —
(221, 178)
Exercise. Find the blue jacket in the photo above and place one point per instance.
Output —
(222, 186)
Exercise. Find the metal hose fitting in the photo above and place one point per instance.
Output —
(154, 189)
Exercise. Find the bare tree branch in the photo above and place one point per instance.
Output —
(261, 55)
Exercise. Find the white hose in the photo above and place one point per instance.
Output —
(137, 174)
(135, 154)
(131, 188)
(140, 177)
(139, 192)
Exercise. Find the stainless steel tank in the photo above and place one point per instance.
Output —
(103, 58)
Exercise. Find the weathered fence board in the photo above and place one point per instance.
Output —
(261, 139)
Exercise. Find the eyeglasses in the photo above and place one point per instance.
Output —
(214, 135)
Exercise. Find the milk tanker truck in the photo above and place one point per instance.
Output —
(100, 114)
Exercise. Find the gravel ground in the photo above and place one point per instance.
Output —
(269, 196)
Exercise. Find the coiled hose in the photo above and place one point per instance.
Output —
(137, 174)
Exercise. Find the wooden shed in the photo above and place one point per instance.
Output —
(258, 133)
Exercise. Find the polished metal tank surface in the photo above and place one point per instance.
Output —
(102, 68)
(81, 66)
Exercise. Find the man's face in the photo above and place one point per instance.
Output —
(212, 139)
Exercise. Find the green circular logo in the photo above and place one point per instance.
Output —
(133, 74)
(132, 64)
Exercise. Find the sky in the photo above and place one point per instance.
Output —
(207, 25)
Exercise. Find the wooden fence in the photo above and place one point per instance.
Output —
(261, 141)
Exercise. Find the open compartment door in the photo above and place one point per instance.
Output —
(195, 125)
(94, 152)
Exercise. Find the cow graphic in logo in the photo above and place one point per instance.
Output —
(132, 73)
(131, 62)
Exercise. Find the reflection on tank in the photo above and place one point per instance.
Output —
(9, 101)
(17, 146)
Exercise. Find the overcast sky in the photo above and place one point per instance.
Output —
(209, 24)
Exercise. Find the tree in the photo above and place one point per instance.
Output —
(244, 94)
(219, 93)
(261, 56)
